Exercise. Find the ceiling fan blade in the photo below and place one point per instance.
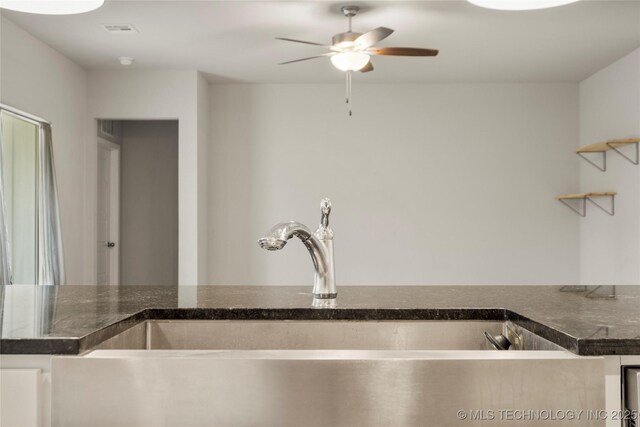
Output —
(300, 41)
(372, 37)
(402, 51)
(367, 68)
(306, 59)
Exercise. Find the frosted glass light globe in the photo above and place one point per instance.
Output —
(350, 61)
(51, 7)
(520, 4)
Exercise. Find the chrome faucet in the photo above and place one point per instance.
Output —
(320, 246)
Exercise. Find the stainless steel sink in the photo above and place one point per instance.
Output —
(317, 335)
(319, 373)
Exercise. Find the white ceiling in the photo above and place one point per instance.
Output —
(233, 41)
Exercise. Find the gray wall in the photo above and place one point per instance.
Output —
(610, 109)
(431, 183)
(39, 80)
(149, 207)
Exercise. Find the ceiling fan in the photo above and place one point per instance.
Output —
(351, 51)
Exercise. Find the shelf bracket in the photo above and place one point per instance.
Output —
(636, 161)
(582, 210)
(573, 288)
(602, 291)
(602, 168)
(570, 200)
(610, 211)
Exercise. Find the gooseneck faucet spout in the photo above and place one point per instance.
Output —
(319, 244)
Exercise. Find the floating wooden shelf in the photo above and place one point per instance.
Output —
(612, 144)
(623, 141)
(594, 148)
(584, 197)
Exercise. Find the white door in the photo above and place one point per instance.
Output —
(108, 215)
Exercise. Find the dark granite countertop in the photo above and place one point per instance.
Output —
(72, 319)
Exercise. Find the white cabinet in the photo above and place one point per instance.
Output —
(25, 391)
(613, 366)
(21, 392)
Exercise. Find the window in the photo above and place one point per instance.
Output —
(19, 172)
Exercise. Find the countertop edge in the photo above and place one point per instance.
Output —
(78, 345)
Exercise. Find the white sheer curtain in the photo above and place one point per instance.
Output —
(49, 257)
(50, 254)
(5, 248)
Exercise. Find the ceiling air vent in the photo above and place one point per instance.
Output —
(119, 28)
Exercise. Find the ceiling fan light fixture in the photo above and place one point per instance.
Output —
(520, 4)
(350, 61)
(350, 51)
(51, 7)
(344, 45)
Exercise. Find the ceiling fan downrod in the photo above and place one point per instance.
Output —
(350, 12)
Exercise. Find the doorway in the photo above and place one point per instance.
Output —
(108, 213)
(137, 215)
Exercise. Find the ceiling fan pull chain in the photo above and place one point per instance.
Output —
(349, 94)
(346, 87)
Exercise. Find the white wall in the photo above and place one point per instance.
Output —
(39, 80)
(430, 183)
(149, 203)
(149, 95)
(610, 109)
(203, 178)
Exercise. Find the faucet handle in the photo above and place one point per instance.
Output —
(325, 209)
